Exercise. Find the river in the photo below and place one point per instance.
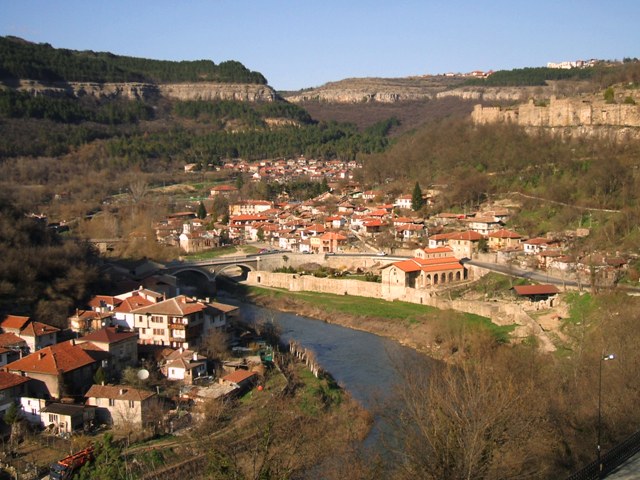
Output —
(362, 363)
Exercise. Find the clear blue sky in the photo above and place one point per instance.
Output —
(305, 43)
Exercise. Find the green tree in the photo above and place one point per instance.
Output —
(12, 417)
(99, 378)
(416, 198)
(609, 95)
(108, 463)
(239, 182)
(202, 211)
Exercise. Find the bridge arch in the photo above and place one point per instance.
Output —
(209, 277)
(242, 266)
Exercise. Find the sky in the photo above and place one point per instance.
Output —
(300, 44)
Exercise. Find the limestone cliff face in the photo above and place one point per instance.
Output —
(498, 94)
(582, 116)
(142, 91)
(218, 91)
(382, 90)
(363, 95)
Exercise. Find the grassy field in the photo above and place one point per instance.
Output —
(407, 313)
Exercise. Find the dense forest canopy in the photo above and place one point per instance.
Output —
(532, 76)
(601, 74)
(20, 59)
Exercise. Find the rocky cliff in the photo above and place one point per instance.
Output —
(576, 116)
(142, 91)
(381, 90)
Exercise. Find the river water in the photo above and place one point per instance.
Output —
(362, 363)
(358, 361)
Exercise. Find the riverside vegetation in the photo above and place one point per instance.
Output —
(519, 413)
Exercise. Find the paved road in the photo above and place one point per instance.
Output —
(536, 276)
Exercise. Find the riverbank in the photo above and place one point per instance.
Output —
(422, 328)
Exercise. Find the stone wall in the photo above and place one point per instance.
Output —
(298, 283)
(498, 312)
(587, 116)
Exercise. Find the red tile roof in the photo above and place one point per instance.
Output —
(11, 339)
(60, 358)
(8, 380)
(469, 235)
(14, 322)
(437, 250)
(118, 392)
(428, 264)
(104, 300)
(536, 289)
(332, 236)
(109, 335)
(239, 376)
(503, 233)
(37, 329)
(132, 303)
(180, 305)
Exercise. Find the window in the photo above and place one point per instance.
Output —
(53, 418)
(132, 404)
(112, 402)
(158, 331)
(157, 319)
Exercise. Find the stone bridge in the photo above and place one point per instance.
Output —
(270, 261)
(213, 267)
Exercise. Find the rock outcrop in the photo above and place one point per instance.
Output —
(581, 116)
(382, 90)
(144, 91)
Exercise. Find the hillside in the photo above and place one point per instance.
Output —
(20, 59)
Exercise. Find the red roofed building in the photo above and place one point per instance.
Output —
(465, 244)
(177, 322)
(122, 405)
(58, 370)
(243, 379)
(503, 238)
(12, 387)
(437, 252)
(12, 347)
(121, 344)
(329, 242)
(538, 294)
(37, 335)
(223, 190)
(411, 231)
(423, 273)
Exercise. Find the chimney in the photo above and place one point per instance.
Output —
(40, 355)
(195, 356)
(181, 349)
(122, 391)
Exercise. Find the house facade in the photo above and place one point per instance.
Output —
(37, 335)
(423, 273)
(121, 405)
(122, 345)
(179, 322)
(59, 370)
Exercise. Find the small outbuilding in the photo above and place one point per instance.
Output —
(544, 293)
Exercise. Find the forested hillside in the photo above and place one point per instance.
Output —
(575, 180)
(20, 59)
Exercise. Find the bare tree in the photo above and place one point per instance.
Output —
(473, 420)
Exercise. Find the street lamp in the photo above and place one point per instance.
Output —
(603, 358)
